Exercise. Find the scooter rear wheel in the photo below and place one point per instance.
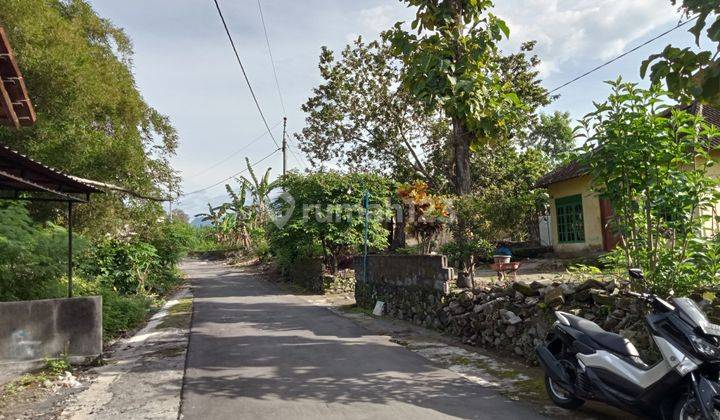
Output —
(561, 397)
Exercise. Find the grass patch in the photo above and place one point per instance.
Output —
(124, 313)
(28, 380)
(533, 387)
(178, 315)
(528, 385)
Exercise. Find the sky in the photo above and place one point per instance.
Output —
(184, 66)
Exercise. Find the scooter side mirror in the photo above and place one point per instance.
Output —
(636, 273)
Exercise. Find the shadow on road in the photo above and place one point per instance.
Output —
(255, 348)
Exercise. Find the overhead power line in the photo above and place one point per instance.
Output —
(237, 56)
(238, 151)
(304, 162)
(681, 24)
(233, 175)
(272, 60)
(295, 156)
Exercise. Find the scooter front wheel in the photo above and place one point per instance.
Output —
(561, 397)
(687, 409)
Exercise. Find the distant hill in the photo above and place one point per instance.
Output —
(198, 222)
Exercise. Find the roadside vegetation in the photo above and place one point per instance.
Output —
(92, 122)
(132, 272)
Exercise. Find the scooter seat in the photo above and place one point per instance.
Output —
(611, 341)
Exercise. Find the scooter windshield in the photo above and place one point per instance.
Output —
(694, 315)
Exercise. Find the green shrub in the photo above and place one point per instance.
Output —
(121, 265)
(655, 169)
(57, 366)
(327, 219)
(479, 249)
(131, 267)
(203, 239)
(172, 242)
(33, 256)
(123, 313)
(260, 245)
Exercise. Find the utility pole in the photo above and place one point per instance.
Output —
(284, 145)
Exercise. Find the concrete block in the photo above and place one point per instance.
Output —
(36, 329)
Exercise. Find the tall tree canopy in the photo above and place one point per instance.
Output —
(92, 121)
(451, 64)
(553, 135)
(361, 117)
(691, 74)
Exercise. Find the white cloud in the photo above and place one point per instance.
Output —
(380, 18)
(374, 20)
(571, 30)
(566, 30)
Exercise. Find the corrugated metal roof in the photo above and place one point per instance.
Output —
(16, 109)
(18, 166)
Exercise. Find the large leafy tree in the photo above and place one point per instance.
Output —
(691, 74)
(451, 64)
(92, 121)
(360, 117)
(552, 135)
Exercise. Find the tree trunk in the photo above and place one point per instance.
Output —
(399, 238)
(461, 151)
(463, 185)
(461, 148)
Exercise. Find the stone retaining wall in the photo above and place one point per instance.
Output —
(340, 283)
(513, 318)
(36, 329)
(426, 272)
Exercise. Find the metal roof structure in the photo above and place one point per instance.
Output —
(19, 174)
(22, 178)
(16, 109)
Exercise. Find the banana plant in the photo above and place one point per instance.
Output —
(215, 216)
(260, 189)
(240, 214)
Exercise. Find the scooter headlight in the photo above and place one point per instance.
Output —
(705, 347)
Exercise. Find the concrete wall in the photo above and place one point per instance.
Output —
(35, 329)
(711, 226)
(591, 216)
(419, 271)
(591, 211)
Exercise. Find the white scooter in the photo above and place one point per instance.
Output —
(584, 362)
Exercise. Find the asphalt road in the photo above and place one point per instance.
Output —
(256, 352)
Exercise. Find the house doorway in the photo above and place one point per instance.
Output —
(610, 238)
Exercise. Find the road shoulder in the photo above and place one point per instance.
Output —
(143, 376)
